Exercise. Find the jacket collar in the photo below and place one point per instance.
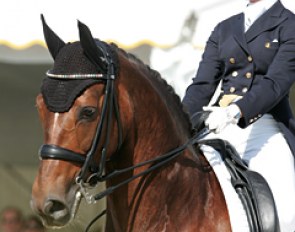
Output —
(238, 29)
(268, 20)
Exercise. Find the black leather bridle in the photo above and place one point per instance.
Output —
(110, 106)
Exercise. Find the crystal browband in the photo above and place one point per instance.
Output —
(74, 76)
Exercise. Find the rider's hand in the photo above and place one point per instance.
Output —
(220, 117)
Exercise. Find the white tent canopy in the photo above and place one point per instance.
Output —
(126, 22)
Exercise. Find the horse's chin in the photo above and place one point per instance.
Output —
(52, 223)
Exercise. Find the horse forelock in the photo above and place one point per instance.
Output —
(173, 99)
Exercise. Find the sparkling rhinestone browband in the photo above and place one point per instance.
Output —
(74, 76)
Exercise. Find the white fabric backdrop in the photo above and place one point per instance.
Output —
(127, 22)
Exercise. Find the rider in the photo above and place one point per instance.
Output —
(253, 55)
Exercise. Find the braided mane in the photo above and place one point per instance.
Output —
(175, 101)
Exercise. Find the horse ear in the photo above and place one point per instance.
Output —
(54, 43)
(90, 48)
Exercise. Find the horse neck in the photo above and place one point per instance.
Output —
(154, 131)
(157, 125)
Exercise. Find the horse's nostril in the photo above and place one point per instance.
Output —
(56, 209)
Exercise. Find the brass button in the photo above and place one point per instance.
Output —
(232, 89)
(267, 44)
(250, 59)
(235, 73)
(248, 75)
(232, 60)
(244, 90)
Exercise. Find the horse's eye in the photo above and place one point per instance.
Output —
(88, 113)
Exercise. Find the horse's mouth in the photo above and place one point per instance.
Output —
(61, 218)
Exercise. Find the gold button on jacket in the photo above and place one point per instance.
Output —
(232, 89)
(235, 73)
(248, 75)
(232, 60)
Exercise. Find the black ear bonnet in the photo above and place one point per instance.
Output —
(69, 60)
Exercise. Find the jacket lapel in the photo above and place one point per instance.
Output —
(270, 19)
(238, 31)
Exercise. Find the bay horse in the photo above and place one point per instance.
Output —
(107, 116)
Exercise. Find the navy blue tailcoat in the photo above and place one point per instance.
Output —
(258, 65)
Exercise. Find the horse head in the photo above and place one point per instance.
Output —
(76, 107)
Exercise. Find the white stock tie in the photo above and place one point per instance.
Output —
(247, 23)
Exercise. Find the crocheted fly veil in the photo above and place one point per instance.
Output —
(75, 69)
